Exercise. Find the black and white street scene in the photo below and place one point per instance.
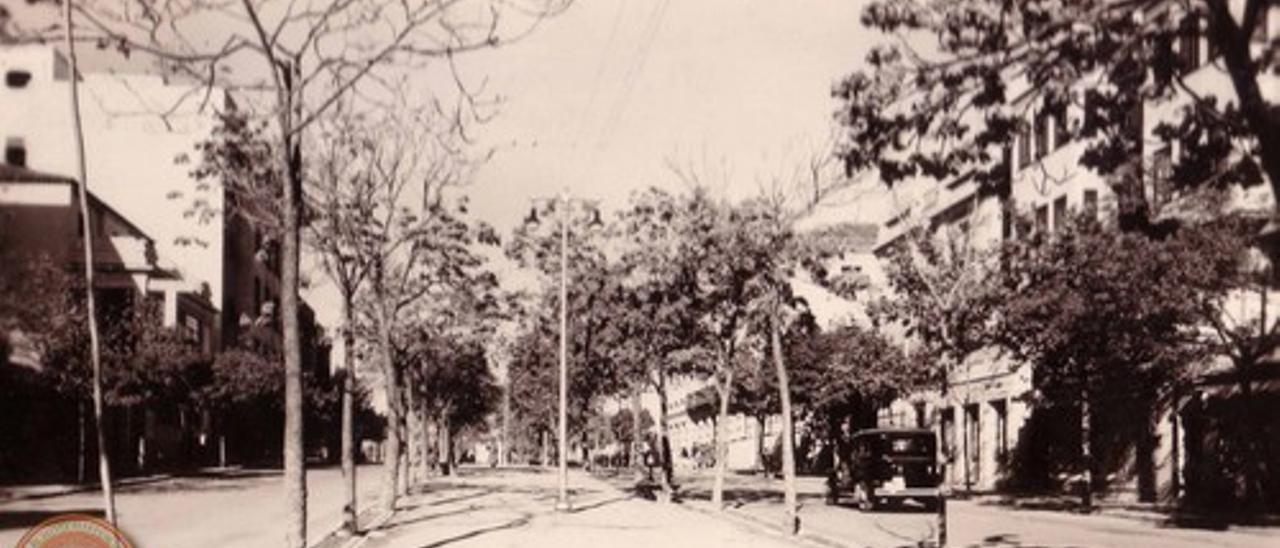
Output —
(640, 273)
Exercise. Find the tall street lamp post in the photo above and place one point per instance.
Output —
(565, 204)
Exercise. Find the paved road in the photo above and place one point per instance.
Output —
(970, 524)
(515, 508)
(241, 509)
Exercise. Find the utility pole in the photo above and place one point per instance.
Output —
(562, 501)
(565, 204)
(86, 221)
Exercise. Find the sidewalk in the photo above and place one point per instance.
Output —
(516, 508)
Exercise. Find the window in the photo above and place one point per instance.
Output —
(1006, 224)
(191, 329)
(1061, 132)
(1091, 203)
(1133, 123)
(1161, 173)
(949, 433)
(1024, 145)
(17, 78)
(15, 152)
(1042, 218)
(1002, 430)
(1060, 213)
(1042, 134)
(1189, 43)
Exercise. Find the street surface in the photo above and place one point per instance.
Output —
(212, 511)
(970, 524)
(483, 507)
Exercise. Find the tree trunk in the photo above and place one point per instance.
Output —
(664, 439)
(1086, 449)
(391, 385)
(414, 435)
(402, 487)
(86, 225)
(83, 459)
(722, 445)
(446, 446)
(760, 435)
(637, 435)
(295, 481)
(506, 422)
(350, 512)
(425, 447)
(792, 519)
(545, 457)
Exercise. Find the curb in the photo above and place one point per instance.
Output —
(76, 489)
(357, 540)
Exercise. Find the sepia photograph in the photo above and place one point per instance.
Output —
(640, 273)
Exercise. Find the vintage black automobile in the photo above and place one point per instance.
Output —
(888, 466)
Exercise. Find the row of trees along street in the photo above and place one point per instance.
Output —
(946, 95)
(293, 68)
(682, 285)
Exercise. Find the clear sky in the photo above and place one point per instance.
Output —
(600, 98)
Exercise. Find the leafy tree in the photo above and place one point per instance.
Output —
(662, 334)
(532, 384)
(459, 390)
(627, 431)
(843, 377)
(1072, 310)
(592, 294)
(941, 296)
(1240, 326)
(939, 101)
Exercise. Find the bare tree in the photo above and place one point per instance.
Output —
(299, 59)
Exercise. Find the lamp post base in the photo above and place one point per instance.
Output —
(564, 506)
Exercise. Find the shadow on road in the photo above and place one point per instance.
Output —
(1007, 541)
(513, 524)
(26, 519)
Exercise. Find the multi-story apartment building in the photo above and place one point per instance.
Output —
(985, 409)
(141, 133)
